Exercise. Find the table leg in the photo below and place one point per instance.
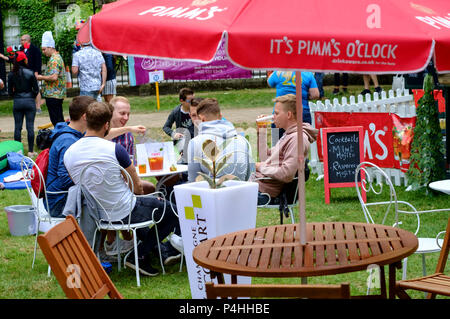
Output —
(219, 276)
(383, 294)
(392, 278)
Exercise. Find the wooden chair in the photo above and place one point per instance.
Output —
(435, 284)
(341, 291)
(74, 263)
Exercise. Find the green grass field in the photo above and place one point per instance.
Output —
(19, 281)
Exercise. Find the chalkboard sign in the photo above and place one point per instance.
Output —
(343, 150)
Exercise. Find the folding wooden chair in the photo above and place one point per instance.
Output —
(435, 284)
(341, 291)
(74, 263)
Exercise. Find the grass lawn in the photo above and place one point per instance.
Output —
(19, 281)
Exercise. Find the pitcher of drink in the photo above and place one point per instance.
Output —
(155, 152)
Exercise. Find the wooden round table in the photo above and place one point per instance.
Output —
(332, 248)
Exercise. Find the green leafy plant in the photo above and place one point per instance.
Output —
(215, 162)
(427, 149)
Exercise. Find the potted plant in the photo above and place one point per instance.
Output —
(427, 149)
(211, 207)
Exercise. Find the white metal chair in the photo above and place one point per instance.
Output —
(373, 182)
(101, 174)
(44, 220)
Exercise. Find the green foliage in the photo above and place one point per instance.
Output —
(64, 42)
(35, 16)
(427, 149)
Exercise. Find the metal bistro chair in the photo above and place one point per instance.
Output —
(44, 220)
(101, 173)
(435, 284)
(287, 199)
(373, 182)
(77, 269)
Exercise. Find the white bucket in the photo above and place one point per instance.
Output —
(21, 220)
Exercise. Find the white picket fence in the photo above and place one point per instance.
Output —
(400, 102)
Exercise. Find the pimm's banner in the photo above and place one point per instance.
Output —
(387, 137)
(219, 68)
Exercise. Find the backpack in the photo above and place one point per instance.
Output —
(43, 138)
(41, 162)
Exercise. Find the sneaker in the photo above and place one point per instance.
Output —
(378, 90)
(169, 254)
(125, 246)
(176, 242)
(365, 91)
(144, 266)
(335, 91)
(105, 258)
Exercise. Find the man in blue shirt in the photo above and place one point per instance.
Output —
(285, 83)
(63, 136)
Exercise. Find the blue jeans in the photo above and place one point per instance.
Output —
(319, 79)
(93, 94)
(142, 212)
(24, 107)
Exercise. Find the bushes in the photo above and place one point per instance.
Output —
(35, 16)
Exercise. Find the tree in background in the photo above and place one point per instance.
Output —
(427, 149)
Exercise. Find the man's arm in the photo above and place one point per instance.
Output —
(74, 70)
(313, 94)
(117, 131)
(104, 74)
(286, 171)
(137, 183)
(167, 128)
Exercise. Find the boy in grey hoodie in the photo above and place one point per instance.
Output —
(219, 130)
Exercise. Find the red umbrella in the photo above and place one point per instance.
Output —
(355, 36)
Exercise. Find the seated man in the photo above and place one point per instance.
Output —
(94, 147)
(215, 128)
(120, 117)
(184, 129)
(63, 136)
(281, 165)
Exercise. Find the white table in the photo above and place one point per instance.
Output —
(166, 173)
(442, 186)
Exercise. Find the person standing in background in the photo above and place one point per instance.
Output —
(337, 82)
(54, 77)
(34, 62)
(89, 65)
(318, 76)
(366, 79)
(110, 87)
(23, 87)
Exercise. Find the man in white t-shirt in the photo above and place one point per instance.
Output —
(93, 147)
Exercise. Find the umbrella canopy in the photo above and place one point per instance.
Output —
(355, 36)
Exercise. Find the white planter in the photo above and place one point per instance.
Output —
(206, 213)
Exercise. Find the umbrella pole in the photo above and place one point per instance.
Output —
(301, 160)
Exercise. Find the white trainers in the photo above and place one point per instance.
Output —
(177, 242)
(125, 246)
